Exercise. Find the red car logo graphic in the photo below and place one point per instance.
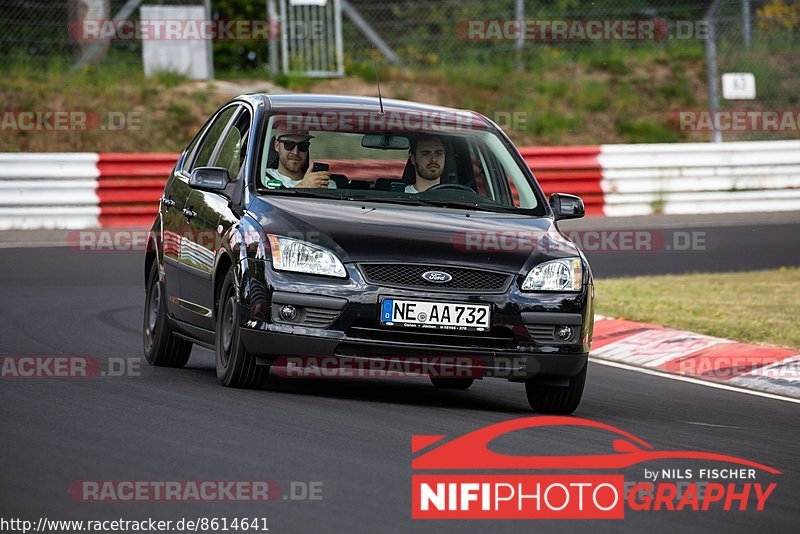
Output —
(471, 451)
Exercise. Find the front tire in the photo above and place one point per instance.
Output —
(161, 347)
(561, 400)
(236, 367)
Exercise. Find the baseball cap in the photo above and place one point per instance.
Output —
(300, 133)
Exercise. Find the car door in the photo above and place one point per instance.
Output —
(173, 202)
(212, 218)
(187, 254)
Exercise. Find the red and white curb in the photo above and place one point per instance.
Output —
(688, 354)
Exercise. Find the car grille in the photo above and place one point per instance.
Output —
(320, 317)
(410, 276)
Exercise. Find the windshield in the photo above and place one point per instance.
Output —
(448, 165)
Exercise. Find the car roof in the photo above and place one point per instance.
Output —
(310, 101)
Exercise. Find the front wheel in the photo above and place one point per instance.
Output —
(556, 399)
(236, 367)
(161, 347)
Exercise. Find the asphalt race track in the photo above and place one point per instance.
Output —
(725, 242)
(353, 436)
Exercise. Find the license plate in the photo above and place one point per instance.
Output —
(436, 315)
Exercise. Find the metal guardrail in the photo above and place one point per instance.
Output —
(54, 190)
(692, 178)
(89, 190)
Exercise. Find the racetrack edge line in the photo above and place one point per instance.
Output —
(691, 380)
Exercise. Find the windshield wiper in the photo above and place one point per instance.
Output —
(316, 193)
(466, 205)
(412, 200)
(416, 200)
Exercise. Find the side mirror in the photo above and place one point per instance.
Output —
(567, 206)
(209, 179)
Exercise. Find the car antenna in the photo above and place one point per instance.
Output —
(380, 98)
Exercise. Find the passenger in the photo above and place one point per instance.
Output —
(294, 168)
(427, 157)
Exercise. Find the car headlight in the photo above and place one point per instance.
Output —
(300, 257)
(557, 275)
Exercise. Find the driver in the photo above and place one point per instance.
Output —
(427, 157)
(294, 169)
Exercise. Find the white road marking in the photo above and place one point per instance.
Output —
(697, 423)
(693, 380)
(34, 244)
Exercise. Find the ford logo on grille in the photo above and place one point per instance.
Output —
(436, 277)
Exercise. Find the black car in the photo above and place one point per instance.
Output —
(417, 234)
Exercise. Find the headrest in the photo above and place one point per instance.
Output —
(272, 155)
(409, 173)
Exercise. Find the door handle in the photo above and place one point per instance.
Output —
(189, 214)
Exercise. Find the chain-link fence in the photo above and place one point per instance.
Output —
(49, 33)
(748, 37)
(764, 43)
(430, 31)
(757, 37)
(55, 34)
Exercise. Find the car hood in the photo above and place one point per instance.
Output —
(360, 231)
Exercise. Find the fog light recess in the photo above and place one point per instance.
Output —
(564, 333)
(288, 312)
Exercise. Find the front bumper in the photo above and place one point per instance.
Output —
(339, 319)
(270, 346)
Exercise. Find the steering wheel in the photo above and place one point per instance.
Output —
(459, 187)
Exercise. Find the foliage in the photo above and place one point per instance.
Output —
(240, 55)
(776, 16)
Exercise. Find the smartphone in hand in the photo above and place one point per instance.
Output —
(318, 167)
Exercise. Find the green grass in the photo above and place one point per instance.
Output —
(170, 108)
(169, 79)
(646, 131)
(754, 307)
(294, 82)
(604, 94)
(600, 93)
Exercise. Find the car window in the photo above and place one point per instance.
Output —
(186, 164)
(233, 149)
(479, 172)
(209, 142)
(477, 168)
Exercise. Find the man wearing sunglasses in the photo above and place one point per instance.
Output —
(294, 168)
